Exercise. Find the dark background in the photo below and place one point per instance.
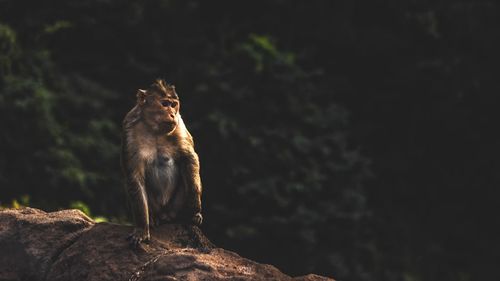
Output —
(354, 139)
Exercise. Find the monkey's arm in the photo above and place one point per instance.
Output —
(190, 171)
(134, 173)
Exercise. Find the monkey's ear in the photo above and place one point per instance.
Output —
(141, 97)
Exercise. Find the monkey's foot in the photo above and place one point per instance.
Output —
(137, 236)
(197, 219)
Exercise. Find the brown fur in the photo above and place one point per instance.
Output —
(159, 161)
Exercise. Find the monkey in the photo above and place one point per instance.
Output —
(160, 165)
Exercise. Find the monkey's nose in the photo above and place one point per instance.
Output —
(172, 116)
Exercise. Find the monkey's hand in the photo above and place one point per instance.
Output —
(197, 219)
(137, 236)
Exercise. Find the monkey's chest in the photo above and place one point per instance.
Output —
(162, 178)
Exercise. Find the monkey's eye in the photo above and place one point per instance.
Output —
(173, 104)
(166, 103)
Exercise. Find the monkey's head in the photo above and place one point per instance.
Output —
(159, 107)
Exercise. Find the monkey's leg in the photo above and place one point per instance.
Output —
(190, 171)
(139, 204)
(153, 209)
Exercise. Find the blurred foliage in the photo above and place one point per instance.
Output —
(16, 204)
(279, 173)
(287, 103)
(79, 205)
(42, 144)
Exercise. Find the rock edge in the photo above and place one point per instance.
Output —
(68, 245)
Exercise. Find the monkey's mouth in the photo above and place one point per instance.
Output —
(168, 127)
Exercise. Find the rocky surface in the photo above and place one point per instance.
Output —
(67, 245)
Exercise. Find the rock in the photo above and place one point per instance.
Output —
(67, 245)
(31, 240)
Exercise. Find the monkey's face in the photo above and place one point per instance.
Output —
(161, 113)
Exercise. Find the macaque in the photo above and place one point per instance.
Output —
(159, 162)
